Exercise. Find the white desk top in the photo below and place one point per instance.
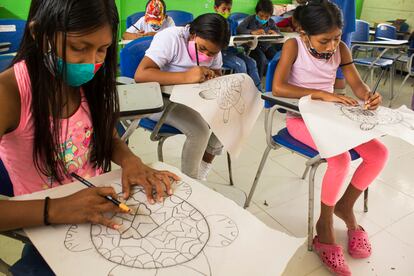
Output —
(289, 103)
(391, 43)
(140, 98)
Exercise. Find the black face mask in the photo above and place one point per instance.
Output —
(318, 55)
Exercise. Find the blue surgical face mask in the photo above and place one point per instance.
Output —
(77, 74)
(155, 27)
(261, 21)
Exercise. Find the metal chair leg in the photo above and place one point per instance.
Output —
(305, 173)
(159, 149)
(366, 200)
(399, 90)
(257, 177)
(311, 204)
(230, 170)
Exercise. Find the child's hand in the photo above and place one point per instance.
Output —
(258, 32)
(331, 97)
(372, 102)
(134, 172)
(149, 34)
(272, 32)
(199, 74)
(87, 205)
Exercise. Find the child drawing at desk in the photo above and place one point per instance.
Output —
(58, 110)
(233, 57)
(261, 23)
(154, 21)
(193, 55)
(308, 66)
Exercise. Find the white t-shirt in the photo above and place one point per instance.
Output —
(144, 26)
(169, 50)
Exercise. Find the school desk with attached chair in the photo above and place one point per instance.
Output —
(283, 139)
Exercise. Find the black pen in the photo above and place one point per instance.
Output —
(198, 63)
(121, 205)
(375, 87)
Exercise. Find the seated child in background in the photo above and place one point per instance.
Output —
(190, 54)
(239, 62)
(155, 20)
(261, 24)
(289, 24)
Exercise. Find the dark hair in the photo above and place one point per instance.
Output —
(264, 6)
(318, 17)
(217, 3)
(162, 2)
(47, 18)
(213, 27)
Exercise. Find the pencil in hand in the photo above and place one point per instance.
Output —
(121, 205)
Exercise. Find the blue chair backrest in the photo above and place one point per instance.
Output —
(277, 19)
(271, 68)
(14, 36)
(237, 16)
(6, 186)
(133, 18)
(181, 18)
(5, 61)
(132, 54)
(361, 31)
(385, 30)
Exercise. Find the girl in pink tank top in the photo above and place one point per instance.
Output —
(58, 110)
(308, 66)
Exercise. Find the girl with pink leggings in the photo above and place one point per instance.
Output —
(308, 66)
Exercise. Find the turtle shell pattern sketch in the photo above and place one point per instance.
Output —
(155, 236)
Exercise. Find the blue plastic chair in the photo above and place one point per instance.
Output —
(238, 16)
(5, 61)
(181, 18)
(284, 140)
(361, 34)
(133, 18)
(15, 36)
(131, 56)
(277, 19)
(6, 186)
(409, 61)
(386, 31)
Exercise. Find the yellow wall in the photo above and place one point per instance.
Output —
(383, 10)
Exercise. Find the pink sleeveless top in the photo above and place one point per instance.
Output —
(16, 147)
(312, 73)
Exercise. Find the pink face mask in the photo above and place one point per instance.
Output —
(192, 50)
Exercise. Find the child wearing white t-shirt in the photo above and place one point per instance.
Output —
(155, 20)
(190, 54)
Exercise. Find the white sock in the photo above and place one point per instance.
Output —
(204, 170)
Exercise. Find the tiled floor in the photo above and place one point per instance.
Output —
(390, 220)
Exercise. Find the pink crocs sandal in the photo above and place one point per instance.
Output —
(359, 246)
(332, 257)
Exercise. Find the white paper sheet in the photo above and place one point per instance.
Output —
(195, 232)
(229, 104)
(336, 128)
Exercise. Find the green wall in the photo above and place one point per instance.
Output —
(20, 8)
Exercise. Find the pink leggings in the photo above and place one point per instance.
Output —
(373, 153)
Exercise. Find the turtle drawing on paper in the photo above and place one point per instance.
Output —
(167, 238)
(227, 92)
(371, 118)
